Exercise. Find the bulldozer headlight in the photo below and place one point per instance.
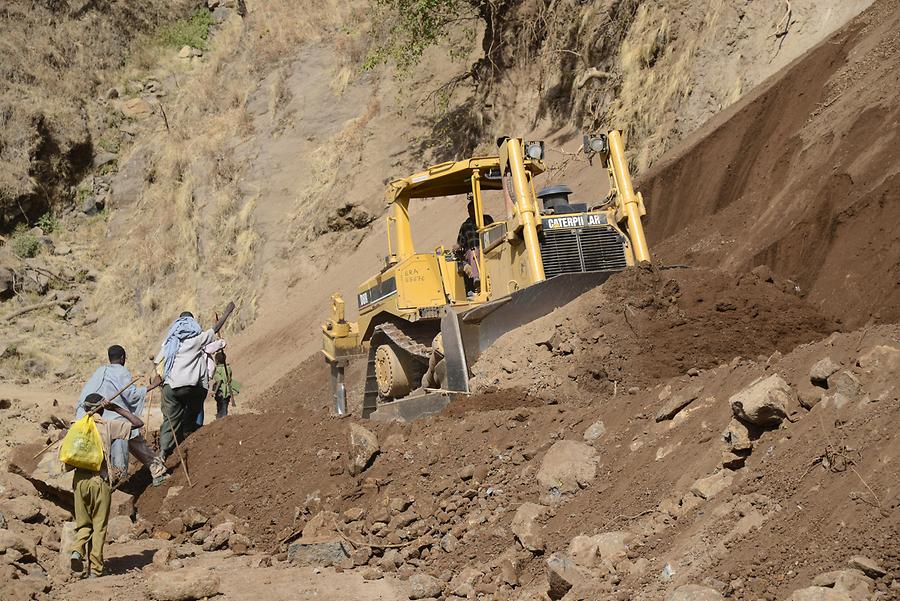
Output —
(534, 151)
(597, 143)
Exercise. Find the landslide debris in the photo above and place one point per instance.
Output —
(647, 325)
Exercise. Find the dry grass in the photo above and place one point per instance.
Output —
(190, 242)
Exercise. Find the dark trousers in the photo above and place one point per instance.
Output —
(221, 405)
(180, 407)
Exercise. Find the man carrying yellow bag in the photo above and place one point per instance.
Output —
(86, 448)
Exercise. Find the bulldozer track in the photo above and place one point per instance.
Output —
(390, 333)
(404, 341)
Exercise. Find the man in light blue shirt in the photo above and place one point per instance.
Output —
(106, 381)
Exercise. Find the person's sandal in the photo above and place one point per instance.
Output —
(76, 562)
(158, 480)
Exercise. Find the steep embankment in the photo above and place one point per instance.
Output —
(802, 176)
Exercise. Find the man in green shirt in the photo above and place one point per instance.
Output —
(223, 387)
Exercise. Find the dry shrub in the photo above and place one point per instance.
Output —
(190, 242)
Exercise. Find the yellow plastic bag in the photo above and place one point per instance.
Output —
(82, 447)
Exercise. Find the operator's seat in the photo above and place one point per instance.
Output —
(556, 200)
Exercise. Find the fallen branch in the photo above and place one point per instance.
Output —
(592, 73)
(626, 517)
(47, 273)
(45, 305)
(781, 30)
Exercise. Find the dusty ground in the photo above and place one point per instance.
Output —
(613, 414)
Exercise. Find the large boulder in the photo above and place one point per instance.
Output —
(363, 448)
(567, 467)
(14, 485)
(319, 552)
(183, 585)
(694, 592)
(17, 542)
(50, 477)
(24, 509)
(526, 528)
(764, 402)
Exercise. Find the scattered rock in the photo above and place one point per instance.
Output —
(526, 529)
(354, 514)
(183, 585)
(122, 504)
(867, 566)
(562, 575)
(118, 528)
(583, 551)
(162, 556)
(423, 586)
(363, 448)
(218, 536)
(843, 389)
(17, 542)
(23, 508)
(192, 518)
(136, 108)
(594, 431)
(809, 398)
(708, 487)
(737, 437)
(613, 546)
(854, 582)
(678, 402)
(694, 592)
(733, 461)
(239, 543)
(567, 467)
(764, 402)
(221, 14)
(372, 574)
(822, 370)
(819, 593)
(174, 527)
(319, 551)
(880, 366)
(466, 473)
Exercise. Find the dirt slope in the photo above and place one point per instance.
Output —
(802, 176)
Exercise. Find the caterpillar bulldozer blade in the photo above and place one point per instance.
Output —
(482, 326)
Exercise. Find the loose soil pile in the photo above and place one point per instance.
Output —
(646, 325)
(803, 176)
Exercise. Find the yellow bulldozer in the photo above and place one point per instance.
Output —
(425, 318)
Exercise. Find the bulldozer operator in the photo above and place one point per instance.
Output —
(466, 249)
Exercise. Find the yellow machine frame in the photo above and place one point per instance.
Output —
(422, 287)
